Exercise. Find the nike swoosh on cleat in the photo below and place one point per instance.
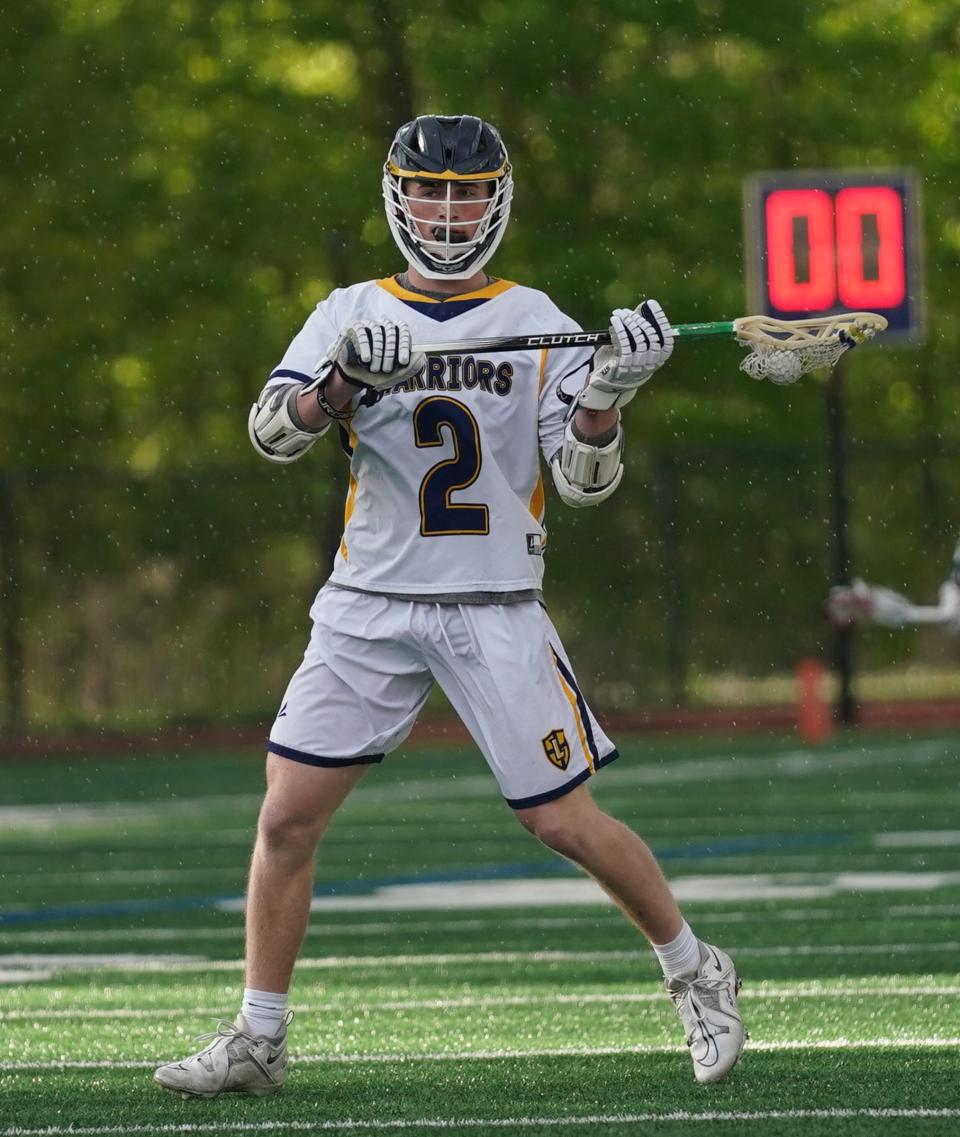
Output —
(716, 960)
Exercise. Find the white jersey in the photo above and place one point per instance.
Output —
(446, 493)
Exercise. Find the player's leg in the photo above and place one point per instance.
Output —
(701, 979)
(299, 804)
(616, 857)
(354, 698)
(250, 1055)
(506, 673)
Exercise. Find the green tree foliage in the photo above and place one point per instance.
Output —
(184, 180)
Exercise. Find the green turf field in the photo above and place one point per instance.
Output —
(459, 978)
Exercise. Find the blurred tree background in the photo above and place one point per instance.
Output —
(184, 180)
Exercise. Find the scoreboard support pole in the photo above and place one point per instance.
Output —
(822, 241)
(846, 711)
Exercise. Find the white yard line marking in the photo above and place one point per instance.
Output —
(442, 959)
(379, 928)
(549, 892)
(455, 1123)
(377, 1058)
(759, 992)
(920, 838)
(58, 815)
(18, 975)
(102, 877)
(121, 960)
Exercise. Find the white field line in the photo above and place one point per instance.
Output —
(324, 963)
(788, 763)
(756, 993)
(332, 928)
(376, 1058)
(131, 876)
(551, 892)
(920, 838)
(483, 1123)
(236, 873)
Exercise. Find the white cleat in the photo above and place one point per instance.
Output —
(707, 1006)
(234, 1062)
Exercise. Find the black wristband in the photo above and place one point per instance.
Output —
(328, 409)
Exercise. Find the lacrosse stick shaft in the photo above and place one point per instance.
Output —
(564, 339)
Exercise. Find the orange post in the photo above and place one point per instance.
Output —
(813, 710)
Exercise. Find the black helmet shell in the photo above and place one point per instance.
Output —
(462, 145)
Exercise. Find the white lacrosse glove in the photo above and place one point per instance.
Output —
(642, 342)
(377, 353)
(862, 602)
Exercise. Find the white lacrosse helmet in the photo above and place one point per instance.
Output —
(447, 150)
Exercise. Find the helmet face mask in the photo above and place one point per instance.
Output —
(447, 189)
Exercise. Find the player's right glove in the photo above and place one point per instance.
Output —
(642, 341)
(378, 353)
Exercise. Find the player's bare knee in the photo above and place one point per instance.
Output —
(552, 827)
(285, 828)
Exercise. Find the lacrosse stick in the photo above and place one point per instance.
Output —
(779, 350)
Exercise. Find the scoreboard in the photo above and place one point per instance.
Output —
(825, 241)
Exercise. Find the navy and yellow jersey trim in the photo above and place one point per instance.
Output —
(441, 310)
(580, 713)
(446, 175)
(348, 506)
(284, 373)
(560, 791)
(319, 759)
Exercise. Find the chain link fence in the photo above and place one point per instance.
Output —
(180, 599)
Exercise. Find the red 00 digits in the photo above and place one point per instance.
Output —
(826, 248)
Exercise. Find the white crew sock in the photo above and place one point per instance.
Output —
(264, 1011)
(680, 958)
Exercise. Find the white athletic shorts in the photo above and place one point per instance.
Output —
(372, 661)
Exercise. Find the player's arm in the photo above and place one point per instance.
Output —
(869, 603)
(588, 467)
(367, 354)
(288, 419)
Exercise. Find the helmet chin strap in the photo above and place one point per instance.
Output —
(403, 279)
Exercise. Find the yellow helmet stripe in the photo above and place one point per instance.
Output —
(447, 175)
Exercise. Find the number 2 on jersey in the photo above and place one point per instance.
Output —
(439, 517)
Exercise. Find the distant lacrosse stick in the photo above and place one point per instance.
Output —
(780, 350)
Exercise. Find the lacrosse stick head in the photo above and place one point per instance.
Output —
(783, 350)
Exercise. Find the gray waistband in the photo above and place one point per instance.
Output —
(523, 596)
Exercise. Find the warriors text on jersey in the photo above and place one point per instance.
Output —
(446, 493)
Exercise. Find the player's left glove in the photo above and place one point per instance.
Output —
(378, 353)
(642, 341)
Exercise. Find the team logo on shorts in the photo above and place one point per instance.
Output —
(557, 749)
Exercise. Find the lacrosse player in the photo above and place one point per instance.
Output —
(438, 578)
(869, 603)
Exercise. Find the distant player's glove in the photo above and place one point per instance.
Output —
(378, 353)
(642, 342)
(867, 603)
